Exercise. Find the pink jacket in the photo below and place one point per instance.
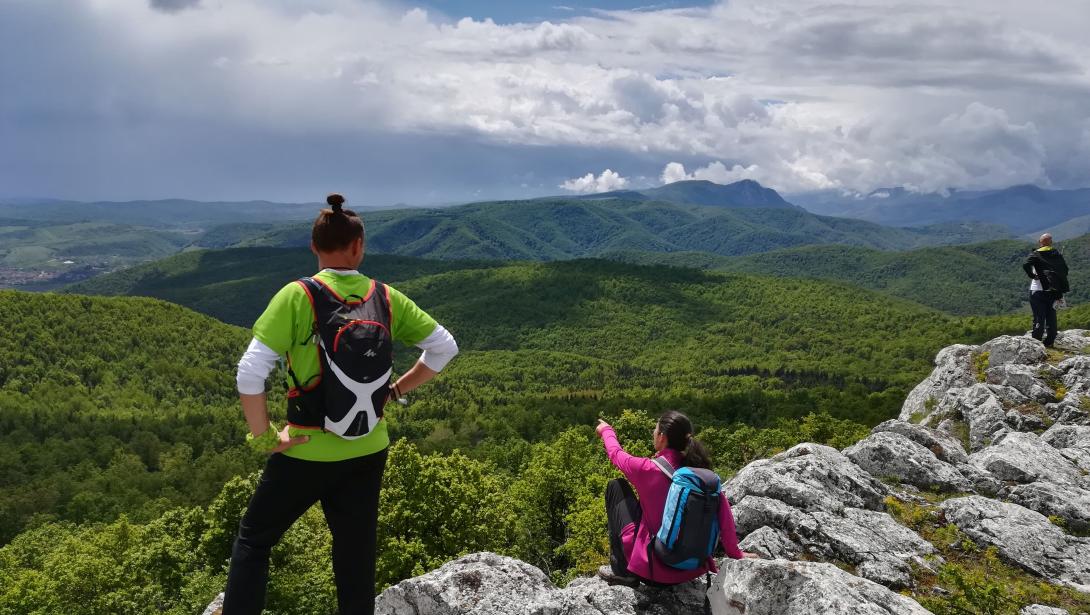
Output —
(652, 486)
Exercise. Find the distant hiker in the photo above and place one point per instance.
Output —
(638, 549)
(1048, 272)
(336, 329)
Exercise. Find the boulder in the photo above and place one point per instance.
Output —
(1024, 538)
(892, 454)
(490, 584)
(1040, 609)
(1068, 411)
(770, 543)
(982, 408)
(1024, 458)
(809, 477)
(1074, 340)
(1068, 502)
(1073, 442)
(1075, 371)
(779, 587)
(944, 446)
(1025, 379)
(882, 549)
(953, 368)
(1016, 349)
(593, 596)
(479, 583)
(1067, 436)
(215, 607)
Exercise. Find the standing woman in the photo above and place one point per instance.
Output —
(336, 329)
(634, 523)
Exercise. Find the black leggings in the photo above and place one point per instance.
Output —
(348, 491)
(622, 508)
(1044, 316)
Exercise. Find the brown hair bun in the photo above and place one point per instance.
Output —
(335, 201)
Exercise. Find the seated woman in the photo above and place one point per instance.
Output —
(634, 523)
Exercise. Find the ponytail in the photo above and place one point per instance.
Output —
(678, 430)
(336, 228)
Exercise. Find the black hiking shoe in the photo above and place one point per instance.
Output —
(606, 574)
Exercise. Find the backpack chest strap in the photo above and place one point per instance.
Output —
(662, 464)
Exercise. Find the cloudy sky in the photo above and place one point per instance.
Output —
(452, 100)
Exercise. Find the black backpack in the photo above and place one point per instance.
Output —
(355, 353)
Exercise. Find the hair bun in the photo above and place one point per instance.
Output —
(335, 201)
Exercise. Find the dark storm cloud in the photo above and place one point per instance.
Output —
(173, 6)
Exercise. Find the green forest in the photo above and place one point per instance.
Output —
(124, 468)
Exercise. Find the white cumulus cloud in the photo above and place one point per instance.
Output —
(606, 181)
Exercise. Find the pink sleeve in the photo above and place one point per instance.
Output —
(728, 534)
(629, 465)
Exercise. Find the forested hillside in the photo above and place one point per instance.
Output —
(120, 423)
(554, 229)
(974, 279)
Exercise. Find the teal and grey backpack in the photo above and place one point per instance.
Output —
(690, 519)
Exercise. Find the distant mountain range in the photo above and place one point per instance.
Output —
(977, 278)
(745, 194)
(563, 228)
(1020, 209)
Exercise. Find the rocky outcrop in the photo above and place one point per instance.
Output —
(1040, 609)
(215, 607)
(890, 454)
(490, 584)
(812, 498)
(1023, 537)
(953, 368)
(809, 477)
(997, 422)
(757, 587)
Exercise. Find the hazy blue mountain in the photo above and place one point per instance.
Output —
(1021, 209)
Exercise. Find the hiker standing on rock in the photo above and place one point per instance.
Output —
(336, 329)
(1048, 282)
(676, 488)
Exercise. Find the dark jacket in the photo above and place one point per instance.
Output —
(1051, 269)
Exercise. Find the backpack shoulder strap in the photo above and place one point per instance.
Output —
(664, 465)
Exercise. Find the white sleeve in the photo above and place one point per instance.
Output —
(254, 367)
(439, 348)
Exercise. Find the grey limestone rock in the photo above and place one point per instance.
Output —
(770, 543)
(892, 454)
(944, 446)
(1068, 502)
(1040, 609)
(953, 368)
(479, 583)
(215, 607)
(1024, 458)
(809, 477)
(779, 587)
(1067, 436)
(1075, 340)
(1024, 538)
(871, 540)
(1073, 442)
(593, 596)
(982, 408)
(490, 584)
(1075, 370)
(1025, 379)
(1018, 349)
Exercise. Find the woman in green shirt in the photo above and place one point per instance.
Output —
(335, 328)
